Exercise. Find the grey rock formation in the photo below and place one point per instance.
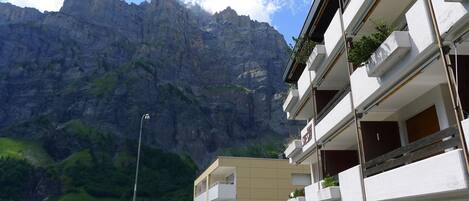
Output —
(209, 81)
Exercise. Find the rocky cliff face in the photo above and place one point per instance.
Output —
(208, 81)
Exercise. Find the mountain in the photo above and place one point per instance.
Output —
(68, 78)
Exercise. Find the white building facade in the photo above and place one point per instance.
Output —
(395, 126)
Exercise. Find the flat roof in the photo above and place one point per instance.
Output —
(321, 13)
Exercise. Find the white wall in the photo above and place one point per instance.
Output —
(351, 184)
(304, 83)
(465, 128)
(350, 14)
(304, 131)
(432, 175)
(333, 34)
(223, 192)
(449, 13)
(201, 197)
(337, 116)
(311, 192)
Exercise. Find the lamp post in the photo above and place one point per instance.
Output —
(144, 117)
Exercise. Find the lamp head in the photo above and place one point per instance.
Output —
(146, 116)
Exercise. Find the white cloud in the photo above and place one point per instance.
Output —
(260, 10)
(41, 5)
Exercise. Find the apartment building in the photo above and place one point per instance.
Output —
(250, 179)
(392, 126)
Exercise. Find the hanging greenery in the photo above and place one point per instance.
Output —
(305, 47)
(364, 47)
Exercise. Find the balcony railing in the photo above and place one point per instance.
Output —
(291, 100)
(201, 196)
(222, 191)
(316, 58)
(426, 147)
(293, 148)
(334, 101)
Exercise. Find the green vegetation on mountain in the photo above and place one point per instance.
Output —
(94, 172)
(267, 148)
(13, 176)
(24, 150)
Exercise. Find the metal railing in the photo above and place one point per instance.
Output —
(426, 147)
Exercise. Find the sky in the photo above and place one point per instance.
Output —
(287, 16)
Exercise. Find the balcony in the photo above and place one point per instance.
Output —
(293, 149)
(392, 63)
(291, 100)
(391, 51)
(201, 197)
(419, 169)
(339, 112)
(316, 58)
(222, 191)
(333, 44)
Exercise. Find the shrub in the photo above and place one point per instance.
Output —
(297, 193)
(366, 45)
(328, 182)
(305, 47)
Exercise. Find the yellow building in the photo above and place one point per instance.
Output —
(250, 179)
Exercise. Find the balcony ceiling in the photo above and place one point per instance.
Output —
(432, 76)
(389, 11)
(346, 140)
(223, 171)
(337, 78)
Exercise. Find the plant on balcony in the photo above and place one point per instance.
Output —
(364, 47)
(297, 193)
(305, 47)
(329, 182)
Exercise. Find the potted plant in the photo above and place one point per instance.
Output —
(364, 47)
(297, 195)
(330, 189)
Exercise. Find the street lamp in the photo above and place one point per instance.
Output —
(144, 117)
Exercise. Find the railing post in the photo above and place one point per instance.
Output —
(451, 84)
(313, 129)
(361, 153)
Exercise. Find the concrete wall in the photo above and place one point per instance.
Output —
(449, 13)
(304, 83)
(426, 177)
(352, 12)
(351, 184)
(333, 34)
(335, 118)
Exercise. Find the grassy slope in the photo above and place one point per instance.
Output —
(24, 149)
